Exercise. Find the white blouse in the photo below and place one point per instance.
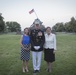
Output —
(50, 41)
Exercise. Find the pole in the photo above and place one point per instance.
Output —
(35, 14)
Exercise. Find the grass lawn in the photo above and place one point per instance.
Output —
(65, 64)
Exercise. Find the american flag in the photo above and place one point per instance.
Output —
(31, 11)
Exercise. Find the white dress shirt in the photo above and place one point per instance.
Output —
(50, 41)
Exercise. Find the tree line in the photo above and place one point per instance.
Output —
(65, 27)
(58, 27)
(9, 26)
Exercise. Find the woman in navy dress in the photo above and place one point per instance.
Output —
(25, 49)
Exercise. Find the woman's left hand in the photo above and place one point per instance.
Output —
(54, 52)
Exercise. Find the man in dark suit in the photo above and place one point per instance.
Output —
(37, 42)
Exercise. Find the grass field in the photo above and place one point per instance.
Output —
(65, 64)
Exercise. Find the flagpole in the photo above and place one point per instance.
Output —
(35, 14)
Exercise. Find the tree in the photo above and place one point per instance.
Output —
(68, 26)
(13, 26)
(73, 24)
(2, 23)
(59, 27)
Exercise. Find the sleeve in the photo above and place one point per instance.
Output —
(43, 40)
(55, 42)
(31, 39)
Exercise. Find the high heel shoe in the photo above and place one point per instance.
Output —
(50, 70)
(23, 70)
(26, 70)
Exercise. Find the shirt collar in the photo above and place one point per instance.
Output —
(49, 35)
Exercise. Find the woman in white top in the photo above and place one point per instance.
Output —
(49, 48)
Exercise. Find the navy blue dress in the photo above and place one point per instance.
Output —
(25, 54)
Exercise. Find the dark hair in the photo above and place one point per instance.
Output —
(49, 28)
(25, 29)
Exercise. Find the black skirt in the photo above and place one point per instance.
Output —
(49, 56)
